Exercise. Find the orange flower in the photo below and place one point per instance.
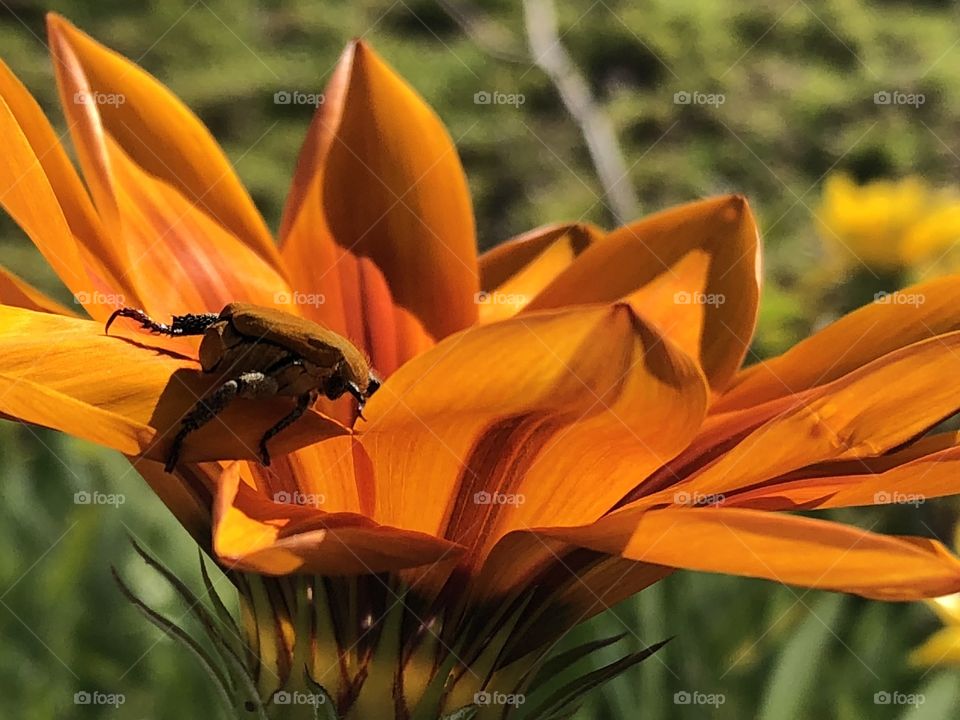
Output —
(563, 421)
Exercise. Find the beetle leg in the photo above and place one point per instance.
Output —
(303, 403)
(180, 325)
(248, 385)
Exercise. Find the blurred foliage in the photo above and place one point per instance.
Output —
(798, 82)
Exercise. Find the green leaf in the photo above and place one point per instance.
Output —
(216, 673)
(563, 661)
(562, 699)
(326, 710)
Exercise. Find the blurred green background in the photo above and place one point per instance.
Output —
(798, 81)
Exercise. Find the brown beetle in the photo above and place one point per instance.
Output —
(264, 352)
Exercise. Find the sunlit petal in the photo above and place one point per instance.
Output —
(693, 270)
(104, 94)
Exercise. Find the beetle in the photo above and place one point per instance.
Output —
(263, 352)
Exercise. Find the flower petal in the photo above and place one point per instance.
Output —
(26, 194)
(514, 272)
(65, 374)
(785, 548)
(693, 270)
(908, 316)
(181, 259)
(66, 184)
(527, 408)
(923, 471)
(413, 218)
(847, 419)
(103, 94)
(941, 648)
(159, 222)
(17, 292)
(253, 533)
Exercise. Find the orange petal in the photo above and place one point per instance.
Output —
(787, 549)
(65, 374)
(66, 184)
(17, 292)
(693, 270)
(159, 223)
(26, 194)
(181, 259)
(103, 93)
(527, 407)
(850, 418)
(255, 534)
(513, 273)
(895, 321)
(413, 217)
(334, 475)
(926, 470)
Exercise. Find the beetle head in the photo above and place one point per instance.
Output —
(362, 395)
(337, 385)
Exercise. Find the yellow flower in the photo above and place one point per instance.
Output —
(887, 224)
(563, 421)
(943, 647)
